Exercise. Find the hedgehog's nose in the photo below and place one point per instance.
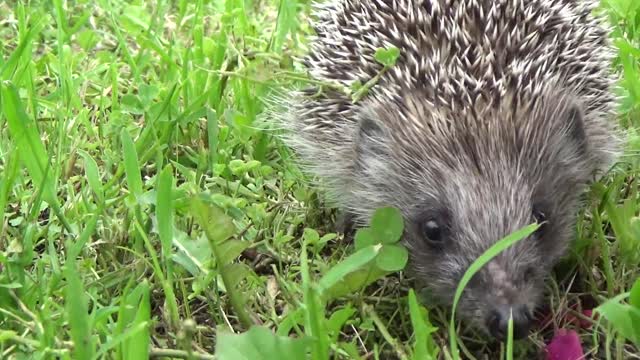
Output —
(498, 321)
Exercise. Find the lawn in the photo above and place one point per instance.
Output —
(144, 213)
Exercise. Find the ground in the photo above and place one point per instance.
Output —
(144, 215)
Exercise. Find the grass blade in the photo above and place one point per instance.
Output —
(25, 133)
(138, 345)
(314, 313)
(93, 175)
(510, 337)
(164, 211)
(34, 155)
(8, 178)
(424, 348)
(78, 313)
(482, 260)
(131, 167)
(352, 263)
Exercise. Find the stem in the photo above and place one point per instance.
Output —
(166, 286)
(180, 354)
(385, 333)
(234, 298)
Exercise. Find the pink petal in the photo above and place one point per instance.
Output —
(565, 345)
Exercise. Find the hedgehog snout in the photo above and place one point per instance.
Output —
(498, 321)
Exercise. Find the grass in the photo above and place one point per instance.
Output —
(143, 215)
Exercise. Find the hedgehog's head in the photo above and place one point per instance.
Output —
(465, 180)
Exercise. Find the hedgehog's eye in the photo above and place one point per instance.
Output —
(540, 218)
(432, 231)
(529, 273)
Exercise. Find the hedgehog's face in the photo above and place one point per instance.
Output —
(447, 235)
(466, 186)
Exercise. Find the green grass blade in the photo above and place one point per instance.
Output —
(138, 345)
(482, 260)
(78, 313)
(212, 137)
(132, 169)
(285, 23)
(25, 134)
(83, 239)
(8, 178)
(424, 348)
(169, 294)
(11, 65)
(93, 175)
(164, 211)
(510, 337)
(120, 338)
(314, 313)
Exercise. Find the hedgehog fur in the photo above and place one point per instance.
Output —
(496, 114)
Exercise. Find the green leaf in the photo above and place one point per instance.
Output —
(358, 90)
(13, 285)
(93, 175)
(509, 350)
(388, 56)
(489, 254)
(8, 69)
(352, 349)
(231, 249)
(286, 22)
(164, 209)
(315, 321)
(8, 178)
(90, 227)
(624, 318)
(132, 104)
(624, 8)
(138, 345)
(7, 335)
(217, 225)
(132, 169)
(259, 343)
(135, 18)
(311, 236)
(354, 282)
(78, 314)
(25, 133)
(127, 312)
(148, 93)
(634, 294)
(192, 254)
(424, 347)
(337, 320)
(212, 136)
(364, 237)
(349, 265)
(392, 258)
(387, 225)
(239, 167)
(237, 272)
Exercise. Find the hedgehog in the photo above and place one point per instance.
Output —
(496, 114)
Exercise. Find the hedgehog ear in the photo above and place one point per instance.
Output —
(371, 137)
(369, 128)
(575, 122)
